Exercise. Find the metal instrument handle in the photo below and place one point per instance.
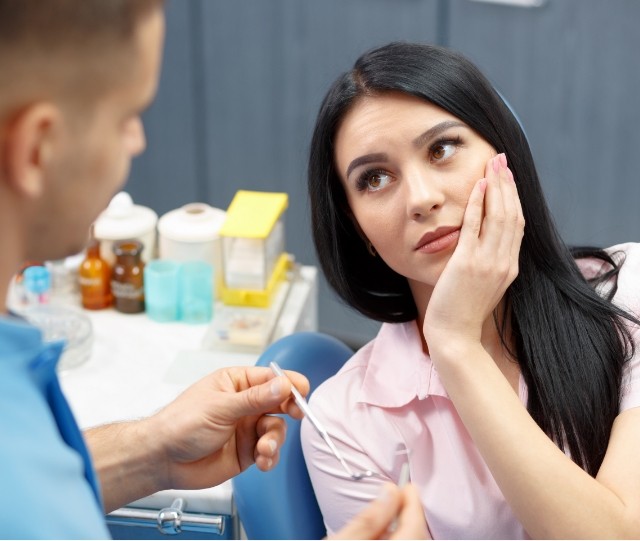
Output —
(170, 520)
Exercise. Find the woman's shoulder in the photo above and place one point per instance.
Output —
(349, 377)
(628, 297)
(591, 262)
(630, 251)
(627, 255)
(343, 389)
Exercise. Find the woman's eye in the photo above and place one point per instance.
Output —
(373, 181)
(443, 150)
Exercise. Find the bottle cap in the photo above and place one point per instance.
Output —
(195, 222)
(123, 220)
(127, 247)
(37, 279)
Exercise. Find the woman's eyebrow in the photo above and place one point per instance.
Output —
(418, 142)
(367, 158)
(436, 130)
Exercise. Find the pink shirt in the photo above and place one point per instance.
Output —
(388, 399)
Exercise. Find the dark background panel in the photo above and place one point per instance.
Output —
(168, 174)
(571, 70)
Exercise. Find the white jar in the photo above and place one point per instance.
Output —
(190, 233)
(122, 220)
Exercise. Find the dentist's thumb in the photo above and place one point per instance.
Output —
(260, 399)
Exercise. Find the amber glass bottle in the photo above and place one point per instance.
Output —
(95, 279)
(127, 277)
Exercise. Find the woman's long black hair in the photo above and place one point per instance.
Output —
(570, 342)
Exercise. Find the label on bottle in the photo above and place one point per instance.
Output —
(87, 281)
(126, 290)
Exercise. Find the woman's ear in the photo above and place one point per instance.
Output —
(28, 147)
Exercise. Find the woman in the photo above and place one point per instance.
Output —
(504, 372)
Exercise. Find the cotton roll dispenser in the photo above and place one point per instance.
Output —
(255, 267)
(253, 248)
(191, 233)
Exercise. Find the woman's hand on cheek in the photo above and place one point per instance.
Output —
(483, 265)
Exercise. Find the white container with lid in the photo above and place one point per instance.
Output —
(190, 233)
(122, 220)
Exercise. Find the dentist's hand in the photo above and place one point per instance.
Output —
(220, 426)
(214, 430)
(396, 514)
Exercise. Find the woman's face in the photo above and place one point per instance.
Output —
(408, 168)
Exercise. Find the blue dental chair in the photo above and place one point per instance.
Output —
(280, 504)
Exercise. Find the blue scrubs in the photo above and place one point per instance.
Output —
(48, 488)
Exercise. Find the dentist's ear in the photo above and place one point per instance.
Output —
(27, 148)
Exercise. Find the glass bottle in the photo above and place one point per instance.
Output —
(95, 279)
(127, 284)
(37, 285)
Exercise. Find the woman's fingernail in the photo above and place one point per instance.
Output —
(276, 386)
(503, 160)
(496, 165)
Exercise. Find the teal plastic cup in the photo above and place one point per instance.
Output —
(162, 290)
(196, 292)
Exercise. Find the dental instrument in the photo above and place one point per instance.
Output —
(304, 406)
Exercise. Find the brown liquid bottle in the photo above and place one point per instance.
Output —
(127, 283)
(95, 279)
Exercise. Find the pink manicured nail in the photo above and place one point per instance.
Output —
(496, 165)
(510, 175)
(503, 160)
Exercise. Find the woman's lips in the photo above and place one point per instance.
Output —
(439, 240)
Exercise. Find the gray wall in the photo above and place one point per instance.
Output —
(243, 80)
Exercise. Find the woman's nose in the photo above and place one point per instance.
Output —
(423, 193)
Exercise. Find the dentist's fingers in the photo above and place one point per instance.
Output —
(258, 391)
(374, 520)
(411, 522)
(272, 433)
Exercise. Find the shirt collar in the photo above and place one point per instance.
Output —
(398, 370)
(18, 337)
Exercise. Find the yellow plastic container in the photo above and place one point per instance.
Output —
(253, 255)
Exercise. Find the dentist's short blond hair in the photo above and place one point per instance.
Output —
(70, 47)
